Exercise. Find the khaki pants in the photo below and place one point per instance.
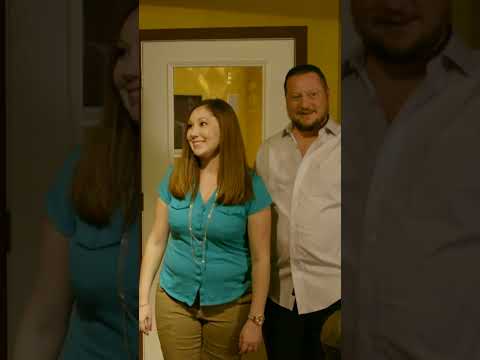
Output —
(202, 333)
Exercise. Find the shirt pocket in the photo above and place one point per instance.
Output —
(179, 204)
(178, 211)
(229, 222)
(90, 237)
(231, 213)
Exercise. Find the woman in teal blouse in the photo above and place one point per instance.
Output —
(215, 213)
(85, 299)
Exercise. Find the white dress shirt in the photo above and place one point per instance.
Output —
(306, 241)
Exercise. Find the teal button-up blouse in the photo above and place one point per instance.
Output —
(226, 273)
(100, 326)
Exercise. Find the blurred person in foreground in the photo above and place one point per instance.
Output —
(410, 185)
(87, 285)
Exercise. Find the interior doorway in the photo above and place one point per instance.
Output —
(244, 66)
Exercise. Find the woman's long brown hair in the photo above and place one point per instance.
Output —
(107, 175)
(234, 179)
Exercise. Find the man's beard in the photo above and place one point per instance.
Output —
(422, 50)
(314, 126)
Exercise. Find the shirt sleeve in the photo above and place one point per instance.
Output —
(260, 160)
(261, 198)
(60, 210)
(162, 189)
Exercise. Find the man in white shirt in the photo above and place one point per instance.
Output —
(301, 168)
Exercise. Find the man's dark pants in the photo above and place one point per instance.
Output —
(289, 335)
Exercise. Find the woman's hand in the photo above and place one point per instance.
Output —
(151, 260)
(145, 318)
(250, 337)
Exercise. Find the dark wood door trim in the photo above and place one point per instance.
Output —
(4, 218)
(298, 33)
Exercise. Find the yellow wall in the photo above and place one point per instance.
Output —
(464, 17)
(323, 26)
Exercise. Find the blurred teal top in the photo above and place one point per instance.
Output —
(226, 273)
(100, 326)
